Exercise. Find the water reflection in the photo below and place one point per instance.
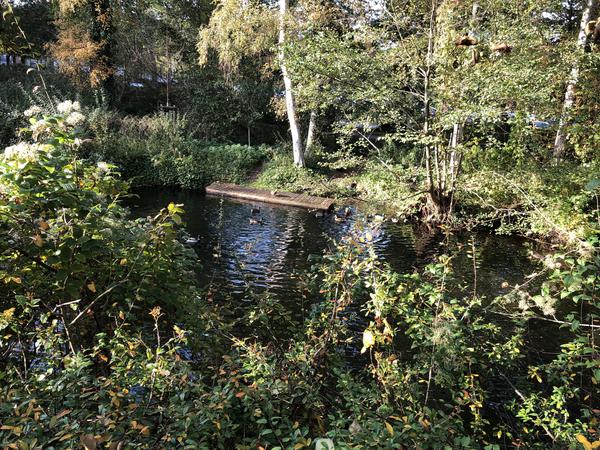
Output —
(239, 257)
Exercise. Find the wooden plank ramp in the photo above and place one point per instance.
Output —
(276, 197)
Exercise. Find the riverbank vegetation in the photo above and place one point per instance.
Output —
(446, 115)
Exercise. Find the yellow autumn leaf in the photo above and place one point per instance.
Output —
(92, 287)
(389, 428)
(583, 440)
(368, 340)
(15, 429)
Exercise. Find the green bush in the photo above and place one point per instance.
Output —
(156, 150)
(281, 174)
(17, 94)
(107, 343)
(548, 201)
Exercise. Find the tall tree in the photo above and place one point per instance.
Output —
(85, 45)
(34, 18)
(290, 98)
(242, 31)
(438, 73)
(560, 142)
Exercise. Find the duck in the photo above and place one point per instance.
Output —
(254, 221)
(255, 210)
(319, 214)
(347, 211)
(338, 219)
(192, 240)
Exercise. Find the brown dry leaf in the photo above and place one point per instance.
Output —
(89, 442)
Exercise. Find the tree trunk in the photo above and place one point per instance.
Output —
(426, 100)
(310, 135)
(102, 65)
(290, 101)
(561, 134)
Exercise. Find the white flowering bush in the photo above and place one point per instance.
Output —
(23, 151)
(50, 141)
(64, 239)
(68, 107)
(66, 122)
(32, 111)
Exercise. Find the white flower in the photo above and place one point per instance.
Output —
(33, 111)
(68, 106)
(103, 167)
(523, 305)
(39, 128)
(548, 309)
(22, 152)
(75, 118)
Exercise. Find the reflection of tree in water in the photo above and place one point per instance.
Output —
(240, 260)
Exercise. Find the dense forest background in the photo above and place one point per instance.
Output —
(451, 116)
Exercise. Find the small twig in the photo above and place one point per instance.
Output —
(106, 292)
(522, 397)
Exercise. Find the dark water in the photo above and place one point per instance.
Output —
(269, 258)
(263, 267)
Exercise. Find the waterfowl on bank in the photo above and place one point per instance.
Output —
(190, 240)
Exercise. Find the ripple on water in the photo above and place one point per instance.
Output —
(239, 257)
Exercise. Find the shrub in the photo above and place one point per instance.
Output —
(17, 94)
(94, 309)
(156, 150)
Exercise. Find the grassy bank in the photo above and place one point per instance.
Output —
(557, 202)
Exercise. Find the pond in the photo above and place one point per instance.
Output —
(241, 259)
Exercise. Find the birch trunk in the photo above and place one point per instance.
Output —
(290, 101)
(561, 134)
(426, 99)
(310, 135)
